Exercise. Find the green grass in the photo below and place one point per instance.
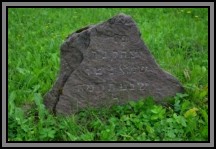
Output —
(178, 40)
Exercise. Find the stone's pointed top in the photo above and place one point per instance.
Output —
(122, 15)
(121, 18)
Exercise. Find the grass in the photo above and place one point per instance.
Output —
(178, 40)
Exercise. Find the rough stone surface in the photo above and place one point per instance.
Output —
(107, 64)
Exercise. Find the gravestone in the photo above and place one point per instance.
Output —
(106, 64)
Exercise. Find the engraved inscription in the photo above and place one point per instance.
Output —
(114, 54)
(90, 88)
(143, 69)
(132, 87)
(123, 55)
(123, 69)
(124, 86)
(111, 88)
(98, 72)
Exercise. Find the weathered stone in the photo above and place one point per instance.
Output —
(107, 64)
